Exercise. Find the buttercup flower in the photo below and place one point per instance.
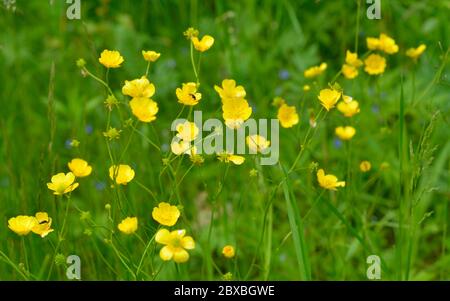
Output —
(228, 251)
(110, 58)
(257, 143)
(351, 58)
(22, 224)
(43, 225)
(183, 147)
(187, 131)
(166, 214)
(287, 115)
(374, 64)
(328, 181)
(188, 94)
(414, 53)
(204, 44)
(349, 71)
(62, 183)
(315, 70)
(129, 225)
(145, 109)
(230, 90)
(365, 166)
(383, 43)
(79, 167)
(345, 132)
(175, 245)
(140, 87)
(229, 157)
(373, 43)
(150, 55)
(348, 108)
(235, 112)
(328, 98)
(121, 174)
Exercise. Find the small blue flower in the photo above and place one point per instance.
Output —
(88, 129)
(337, 143)
(283, 74)
(100, 186)
(68, 143)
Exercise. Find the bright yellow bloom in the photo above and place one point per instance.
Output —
(257, 143)
(22, 224)
(375, 64)
(351, 58)
(129, 225)
(315, 70)
(414, 53)
(80, 168)
(287, 115)
(328, 98)
(140, 87)
(348, 108)
(373, 43)
(110, 58)
(183, 147)
(345, 132)
(229, 157)
(62, 183)
(383, 43)
(235, 112)
(175, 245)
(121, 174)
(365, 166)
(166, 214)
(228, 251)
(230, 90)
(187, 131)
(204, 44)
(188, 94)
(145, 109)
(349, 71)
(150, 55)
(43, 225)
(328, 181)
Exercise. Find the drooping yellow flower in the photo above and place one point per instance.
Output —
(175, 245)
(365, 166)
(328, 98)
(315, 70)
(351, 58)
(183, 147)
(257, 143)
(204, 44)
(228, 251)
(110, 58)
(387, 44)
(22, 224)
(229, 90)
(188, 94)
(79, 167)
(187, 131)
(235, 112)
(140, 87)
(145, 109)
(128, 225)
(229, 157)
(122, 174)
(349, 71)
(166, 214)
(62, 183)
(345, 132)
(150, 55)
(415, 53)
(375, 64)
(43, 225)
(348, 108)
(287, 115)
(328, 181)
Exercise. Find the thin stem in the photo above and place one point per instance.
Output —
(143, 255)
(193, 65)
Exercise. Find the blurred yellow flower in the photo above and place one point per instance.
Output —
(328, 98)
(375, 64)
(129, 225)
(373, 43)
(196, 159)
(229, 90)
(345, 132)
(414, 53)
(229, 157)
(175, 245)
(349, 71)
(150, 55)
(62, 183)
(112, 133)
(204, 44)
(145, 109)
(287, 115)
(228, 251)
(315, 70)
(351, 58)
(188, 94)
(22, 224)
(140, 87)
(183, 147)
(235, 112)
(348, 108)
(110, 58)
(306, 88)
(166, 214)
(122, 174)
(79, 167)
(383, 43)
(365, 166)
(257, 143)
(278, 101)
(187, 131)
(328, 181)
(43, 225)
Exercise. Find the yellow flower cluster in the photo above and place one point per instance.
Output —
(234, 106)
(142, 106)
(39, 224)
(352, 63)
(375, 64)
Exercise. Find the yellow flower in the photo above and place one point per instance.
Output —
(80, 168)
(43, 225)
(204, 44)
(150, 55)
(328, 181)
(287, 115)
(188, 94)
(375, 64)
(349, 71)
(228, 251)
(140, 87)
(257, 143)
(110, 58)
(121, 174)
(387, 44)
(129, 225)
(112, 133)
(348, 108)
(315, 70)
(145, 109)
(306, 88)
(175, 245)
(365, 166)
(62, 183)
(229, 157)
(187, 131)
(230, 90)
(345, 132)
(166, 214)
(235, 112)
(22, 224)
(373, 43)
(414, 53)
(328, 98)
(351, 58)
(183, 147)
